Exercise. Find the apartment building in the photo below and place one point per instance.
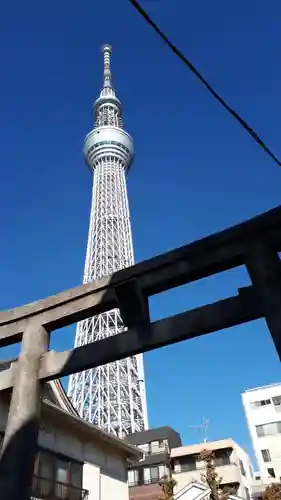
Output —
(144, 475)
(232, 463)
(262, 407)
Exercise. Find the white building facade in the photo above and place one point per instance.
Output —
(262, 408)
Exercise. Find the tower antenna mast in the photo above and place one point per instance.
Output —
(204, 426)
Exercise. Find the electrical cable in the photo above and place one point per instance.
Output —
(192, 68)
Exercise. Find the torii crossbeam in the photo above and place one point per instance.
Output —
(254, 243)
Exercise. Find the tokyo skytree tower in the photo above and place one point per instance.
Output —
(111, 396)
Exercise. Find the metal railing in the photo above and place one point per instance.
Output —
(193, 466)
(141, 482)
(158, 449)
(48, 489)
(152, 450)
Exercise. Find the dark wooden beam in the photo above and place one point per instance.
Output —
(207, 319)
(130, 289)
(66, 308)
(133, 304)
(264, 269)
(197, 260)
(211, 255)
(200, 321)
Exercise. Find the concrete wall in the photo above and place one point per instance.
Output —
(104, 471)
(229, 473)
(91, 481)
(113, 488)
(247, 479)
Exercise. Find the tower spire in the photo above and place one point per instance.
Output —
(107, 77)
(107, 108)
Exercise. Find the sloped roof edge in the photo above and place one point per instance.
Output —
(131, 452)
(66, 409)
(61, 396)
(205, 490)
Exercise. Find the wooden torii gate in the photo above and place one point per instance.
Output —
(254, 243)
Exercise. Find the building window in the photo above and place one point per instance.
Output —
(247, 493)
(241, 465)
(144, 447)
(163, 471)
(56, 476)
(44, 472)
(258, 404)
(260, 430)
(271, 472)
(62, 479)
(276, 401)
(184, 464)
(229, 488)
(251, 472)
(133, 477)
(177, 466)
(147, 475)
(222, 457)
(266, 455)
(154, 447)
(268, 429)
(150, 475)
(154, 471)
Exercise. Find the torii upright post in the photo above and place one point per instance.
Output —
(265, 272)
(20, 442)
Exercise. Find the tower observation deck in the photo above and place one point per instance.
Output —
(110, 396)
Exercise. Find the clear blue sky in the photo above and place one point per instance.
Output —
(196, 171)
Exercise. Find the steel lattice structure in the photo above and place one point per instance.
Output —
(111, 396)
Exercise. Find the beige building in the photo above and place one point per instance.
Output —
(233, 465)
(75, 460)
(258, 486)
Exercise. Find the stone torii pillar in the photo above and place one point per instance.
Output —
(20, 443)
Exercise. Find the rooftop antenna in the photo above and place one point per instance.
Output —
(203, 426)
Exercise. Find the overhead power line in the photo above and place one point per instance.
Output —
(195, 71)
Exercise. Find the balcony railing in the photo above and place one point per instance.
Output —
(193, 466)
(154, 450)
(141, 482)
(43, 488)
(158, 449)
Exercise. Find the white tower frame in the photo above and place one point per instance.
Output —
(111, 396)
